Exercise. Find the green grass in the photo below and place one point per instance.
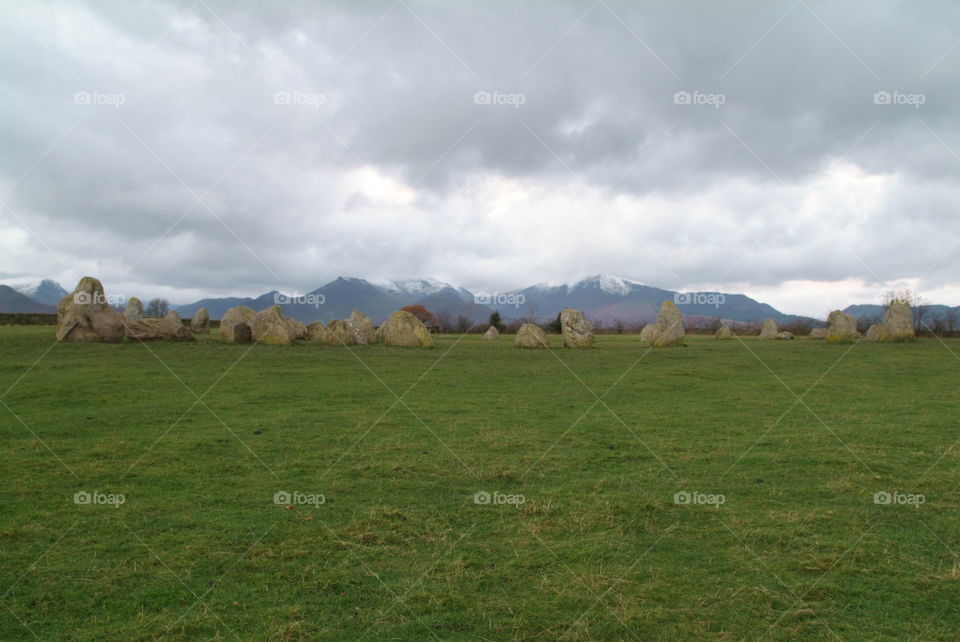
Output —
(598, 550)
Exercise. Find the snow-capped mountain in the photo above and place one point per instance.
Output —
(45, 291)
(601, 297)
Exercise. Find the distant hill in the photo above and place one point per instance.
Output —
(46, 291)
(12, 301)
(601, 297)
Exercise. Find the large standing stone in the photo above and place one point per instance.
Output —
(531, 336)
(270, 327)
(200, 323)
(169, 328)
(134, 310)
(723, 332)
(670, 331)
(577, 331)
(491, 334)
(818, 333)
(236, 325)
(405, 330)
(83, 315)
(897, 324)
(769, 329)
(841, 327)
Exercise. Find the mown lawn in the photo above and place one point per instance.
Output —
(199, 438)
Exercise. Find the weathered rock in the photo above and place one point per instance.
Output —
(531, 336)
(491, 334)
(363, 327)
(576, 330)
(405, 330)
(784, 335)
(769, 329)
(343, 333)
(200, 323)
(670, 331)
(649, 333)
(83, 315)
(270, 327)
(134, 310)
(296, 329)
(316, 331)
(818, 333)
(723, 332)
(841, 327)
(169, 328)
(236, 325)
(897, 324)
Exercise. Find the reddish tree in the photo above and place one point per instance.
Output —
(421, 313)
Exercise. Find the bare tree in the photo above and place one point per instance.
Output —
(950, 318)
(157, 308)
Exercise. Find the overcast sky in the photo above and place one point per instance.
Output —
(191, 149)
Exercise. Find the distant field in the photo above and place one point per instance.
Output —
(597, 550)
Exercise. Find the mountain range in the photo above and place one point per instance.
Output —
(601, 297)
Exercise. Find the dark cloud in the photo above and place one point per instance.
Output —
(351, 138)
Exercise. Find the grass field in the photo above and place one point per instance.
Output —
(199, 438)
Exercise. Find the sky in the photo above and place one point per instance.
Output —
(805, 153)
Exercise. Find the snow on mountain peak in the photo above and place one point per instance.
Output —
(609, 284)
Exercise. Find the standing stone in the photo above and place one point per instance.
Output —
(491, 334)
(577, 331)
(270, 327)
(296, 329)
(83, 315)
(169, 328)
(316, 331)
(200, 323)
(134, 310)
(531, 336)
(818, 333)
(841, 327)
(405, 330)
(362, 327)
(670, 330)
(236, 325)
(897, 324)
(723, 332)
(649, 333)
(343, 333)
(784, 335)
(769, 329)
